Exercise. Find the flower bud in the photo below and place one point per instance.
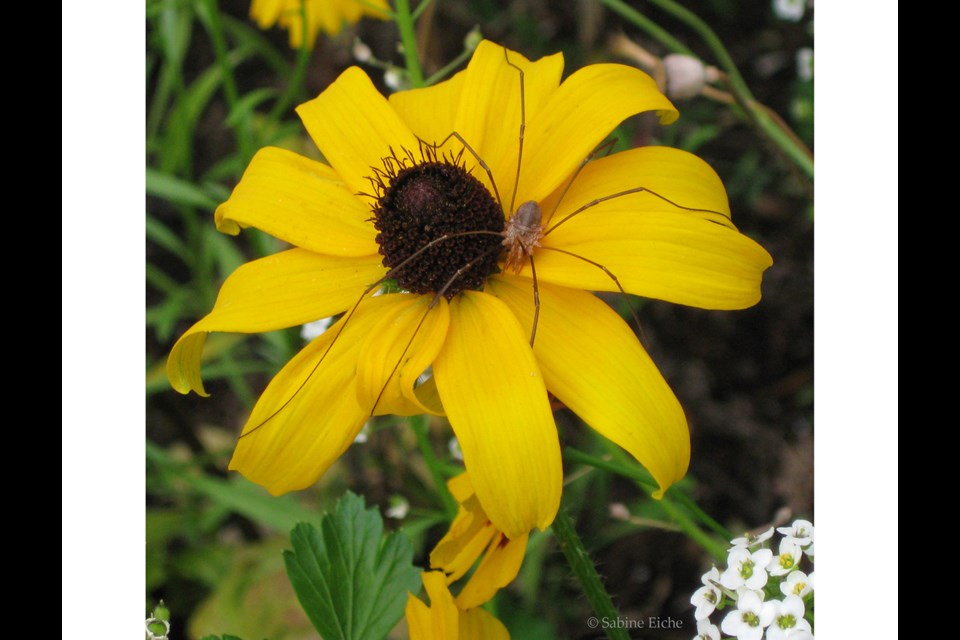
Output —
(686, 75)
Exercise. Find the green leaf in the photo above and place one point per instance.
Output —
(177, 190)
(223, 637)
(351, 581)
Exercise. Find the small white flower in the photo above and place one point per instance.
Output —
(711, 578)
(745, 569)
(705, 599)
(361, 52)
(750, 540)
(805, 64)
(787, 619)
(363, 434)
(454, 448)
(797, 584)
(398, 509)
(790, 10)
(799, 533)
(750, 618)
(315, 329)
(706, 630)
(394, 79)
(788, 560)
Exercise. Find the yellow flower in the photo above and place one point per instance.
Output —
(470, 536)
(328, 16)
(660, 228)
(444, 620)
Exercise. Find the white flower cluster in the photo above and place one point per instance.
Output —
(769, 595)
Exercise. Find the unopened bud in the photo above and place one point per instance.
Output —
(473, 39)
(361, 52)
(686, 75)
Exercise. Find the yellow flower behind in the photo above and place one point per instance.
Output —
(455, 309)
(328, 16)
(471, 536)
(444, 620)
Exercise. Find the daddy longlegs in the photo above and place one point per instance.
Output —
(521, 238)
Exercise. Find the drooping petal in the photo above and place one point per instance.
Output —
(662, 173)
(478, 624)
(495, 398)
(439, 621)
(657, 252)
(403, 344)
(308, 415)
(300, 201)
(283, 290)
(500, 565)
(621, 394)
(578, 116)
(489, 110)
(355, 127)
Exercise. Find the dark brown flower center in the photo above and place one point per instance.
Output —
(440, 229)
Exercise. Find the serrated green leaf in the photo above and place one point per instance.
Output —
(350, 579)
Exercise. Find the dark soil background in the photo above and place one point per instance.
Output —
(745, 378)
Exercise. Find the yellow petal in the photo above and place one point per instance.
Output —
(430, 112)
(283, 290)
(578, 116)
(659, 253)
(355, 128)
(266, 12)
(500, 565)
(309, 415)
(489, 113)
(595, 365)
(469, 534)
(496, 401)
(439, 621)
(300, 201)
(477, 624)
(676, 175)
(402, 345)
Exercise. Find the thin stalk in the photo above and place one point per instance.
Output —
(586, 573)
(756, 113)
(210, 16)
(640, 476)
(434, 466)
(656, 31)
(299, 72)
(408, 37)
(449, 68)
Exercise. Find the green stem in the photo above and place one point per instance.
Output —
(757, 114)
(648, 25)
(210, 16)
(295, 85)
(586, 572)
(408, 38)
(422, 431)
(449, 68)
(691, 506)
(643, 479)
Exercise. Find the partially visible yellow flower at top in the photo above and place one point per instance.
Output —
(471, 536)
(389, 205)
(328, 16)
(444, 620)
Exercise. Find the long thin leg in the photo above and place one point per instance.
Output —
(612, 276)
